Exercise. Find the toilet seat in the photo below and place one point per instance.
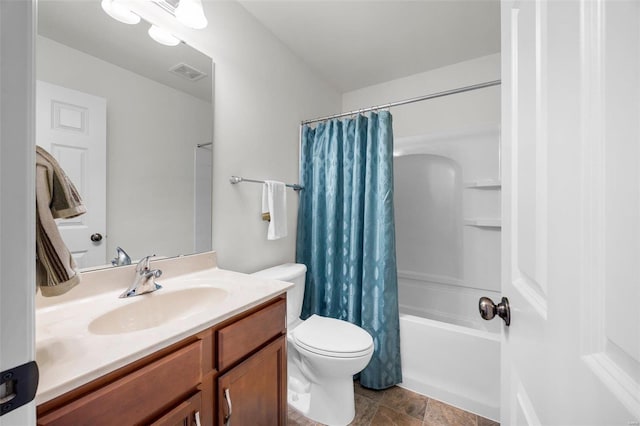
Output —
(332, 337)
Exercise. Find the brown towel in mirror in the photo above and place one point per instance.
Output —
(56, 198)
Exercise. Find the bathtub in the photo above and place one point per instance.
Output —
(455, 363)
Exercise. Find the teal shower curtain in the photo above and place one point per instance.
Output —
(346, 234)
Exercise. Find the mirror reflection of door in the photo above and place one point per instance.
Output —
(71, 126)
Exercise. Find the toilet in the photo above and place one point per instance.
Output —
(323, 354)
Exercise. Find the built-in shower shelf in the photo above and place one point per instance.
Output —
(484, 223)
(484, 184)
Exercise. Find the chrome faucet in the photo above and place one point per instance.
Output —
(144, 281)
(122, 258)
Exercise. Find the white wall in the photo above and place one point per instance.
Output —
(152, 131)
(474, 109)
(262, 92)
(463, 130)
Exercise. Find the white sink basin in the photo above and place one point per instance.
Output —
(157, 308)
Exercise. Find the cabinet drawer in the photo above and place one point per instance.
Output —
(239, 339)
(136, 397)
(185, 414)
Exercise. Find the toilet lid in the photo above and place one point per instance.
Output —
(332, 337)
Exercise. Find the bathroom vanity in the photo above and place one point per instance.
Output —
(223, 360)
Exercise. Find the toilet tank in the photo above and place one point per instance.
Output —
(293, 273)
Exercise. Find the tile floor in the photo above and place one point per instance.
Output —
(397, 406)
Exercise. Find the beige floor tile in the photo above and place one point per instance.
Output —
(441, 414)
(295, 418)
(375, 395)
(365, 410)
(405, 401)
(486, 422)
(302, 421)
(397, 406)
(387, 417)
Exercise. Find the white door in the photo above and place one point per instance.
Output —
(571, 228)
(17, 201)
(71, 125)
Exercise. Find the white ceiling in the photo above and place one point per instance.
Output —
(354, 44)
(349, 43)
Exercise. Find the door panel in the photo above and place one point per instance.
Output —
(622, 177)
(528, 242)
(571, 198)
(71, 125)
(611, 346)
(524, 207)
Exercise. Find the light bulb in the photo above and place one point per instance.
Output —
(191, 14)
(119, 12)
(162, 36)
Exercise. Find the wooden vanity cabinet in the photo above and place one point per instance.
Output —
(185, 383)
(255, 392)
(185, 414)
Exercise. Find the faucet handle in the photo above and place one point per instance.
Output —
(122, 258)
(154, 273)
(143, 264)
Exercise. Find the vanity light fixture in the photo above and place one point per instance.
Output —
(191, 14)
(119, 12)
(163, 36)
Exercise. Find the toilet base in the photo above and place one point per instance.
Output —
(331, 402)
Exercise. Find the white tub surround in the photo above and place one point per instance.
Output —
(447, 201)
(451, 363)
(74, 346)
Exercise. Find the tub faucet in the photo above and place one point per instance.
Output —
(144, 281)
(122, 258)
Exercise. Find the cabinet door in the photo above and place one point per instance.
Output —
(185, 414)
(255, 392)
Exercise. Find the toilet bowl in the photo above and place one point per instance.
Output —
(322, 357)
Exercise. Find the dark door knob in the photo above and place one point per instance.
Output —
(96, 237)
(488, 309)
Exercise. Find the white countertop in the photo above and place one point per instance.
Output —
(69, 354)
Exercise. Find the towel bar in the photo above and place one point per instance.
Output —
(238, 179)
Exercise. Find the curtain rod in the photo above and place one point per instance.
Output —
(407, 101)
(238, 179)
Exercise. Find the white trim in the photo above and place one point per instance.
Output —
(593, 335)
(415, 144)
(623, 386)
(542, 141)
(438, 279)
(17, 192)
(526, 407)
(527, 291)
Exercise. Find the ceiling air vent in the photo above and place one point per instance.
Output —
(187, 71)
(168, 5)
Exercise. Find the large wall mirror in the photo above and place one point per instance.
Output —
(148, 188)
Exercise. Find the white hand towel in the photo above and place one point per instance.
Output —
(274, 202)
